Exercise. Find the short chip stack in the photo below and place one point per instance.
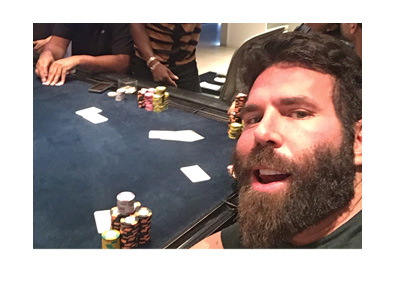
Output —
(120, 94)
(235, 125)
(110, 239)
(126, 203)
(144, 215)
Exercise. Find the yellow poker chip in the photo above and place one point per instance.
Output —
(110, 234)
(112, 94)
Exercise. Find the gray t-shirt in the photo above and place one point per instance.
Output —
(348, 236)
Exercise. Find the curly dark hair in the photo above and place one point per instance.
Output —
(318, 52)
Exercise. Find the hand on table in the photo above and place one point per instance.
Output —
(56, 71)
(38, 45)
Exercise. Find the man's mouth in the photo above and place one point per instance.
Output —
(267, 176)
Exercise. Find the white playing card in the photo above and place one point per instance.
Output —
(182, 135)
(211, 86)
(103, 220)
(195, 173)
(95, 118)
(89, 110)
(220, 79)
(158, 134)
(189, 136)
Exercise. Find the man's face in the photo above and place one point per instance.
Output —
(290, 160)
(345, 31)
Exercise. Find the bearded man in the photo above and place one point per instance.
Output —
(298, 162)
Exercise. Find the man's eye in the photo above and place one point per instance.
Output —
(252, 120)
(299, 114)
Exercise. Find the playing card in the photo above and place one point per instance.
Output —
(195, 173)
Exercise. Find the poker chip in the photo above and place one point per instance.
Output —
(110, 239)
(160, 90)
(130, 90)
(112, 94)
(144, 215)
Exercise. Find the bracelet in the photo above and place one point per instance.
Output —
(154, 66)
(150, 60)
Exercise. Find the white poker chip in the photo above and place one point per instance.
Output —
(112, 94)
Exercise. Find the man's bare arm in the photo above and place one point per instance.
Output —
(212, 242)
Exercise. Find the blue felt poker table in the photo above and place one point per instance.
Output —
(80, 167)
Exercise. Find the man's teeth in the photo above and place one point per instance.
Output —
(268, 172)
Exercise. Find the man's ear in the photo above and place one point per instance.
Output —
(353, 27)
(358, 144)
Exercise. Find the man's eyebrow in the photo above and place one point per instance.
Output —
(293, 100)
(249, 108)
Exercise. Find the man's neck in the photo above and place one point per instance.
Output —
(334, 221)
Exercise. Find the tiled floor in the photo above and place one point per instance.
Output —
(210, 56)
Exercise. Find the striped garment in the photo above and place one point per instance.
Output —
(173, 44)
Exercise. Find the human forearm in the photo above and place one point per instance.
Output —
(113, 63)
(141, 40)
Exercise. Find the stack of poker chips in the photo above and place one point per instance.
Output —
(144, 215)
(166, 100)
(148, 101)
(116, 216)
(129, 232)
(235, 125)
(126, 203)
(153, 99)
(130, 221)
(140, 97)
(110, 239)
(120, 94)
(158, 99)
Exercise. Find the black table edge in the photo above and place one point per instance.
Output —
(223, 215)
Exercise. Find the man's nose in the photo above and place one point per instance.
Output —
(268, 130)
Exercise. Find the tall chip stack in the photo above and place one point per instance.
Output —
(116, 218)
(148, 101)
(158, 99)
(140, 98)
(129, 232)
(144, 215)
(235, 125)
(166, 100)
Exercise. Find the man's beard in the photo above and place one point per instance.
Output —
(321, 184)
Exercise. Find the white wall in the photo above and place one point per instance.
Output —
(235, 34)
